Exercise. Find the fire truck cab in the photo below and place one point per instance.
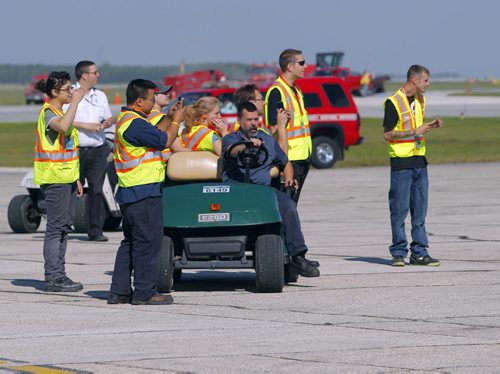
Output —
(333, 116)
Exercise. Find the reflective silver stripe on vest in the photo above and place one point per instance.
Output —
(200, 133)
(165, 155)
(126, 117)
(406, 121)
(299, 132)
(120, 146)
(149, 155)
(59, 156)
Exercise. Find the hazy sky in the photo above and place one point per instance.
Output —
(383, 36)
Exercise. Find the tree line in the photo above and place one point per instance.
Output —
(110, 74)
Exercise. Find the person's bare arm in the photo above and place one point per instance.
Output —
(170, 125)
(62, 124)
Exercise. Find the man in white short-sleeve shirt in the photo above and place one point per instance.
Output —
(92, 118)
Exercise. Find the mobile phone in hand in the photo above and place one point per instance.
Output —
(280, 105)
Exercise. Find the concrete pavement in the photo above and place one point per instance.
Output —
(361, 315)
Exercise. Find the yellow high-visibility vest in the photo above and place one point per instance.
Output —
(408, 120)
(154, 117)
(298, 132)
(198, 139)
(135, 166)
(55, 162)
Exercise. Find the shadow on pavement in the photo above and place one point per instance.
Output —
(371, 260)
(101, 295)
(212, 281)
(32, 283)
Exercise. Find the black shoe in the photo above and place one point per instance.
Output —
(313, 263)
(118, 299)
(424, 260)
(98, 238)
(156, 299)
(63, 284)
(303, 267)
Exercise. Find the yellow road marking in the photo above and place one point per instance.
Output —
(40, 370)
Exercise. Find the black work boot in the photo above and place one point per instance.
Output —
(63, 284)
(303, 267)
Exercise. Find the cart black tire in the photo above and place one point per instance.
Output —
(165, 274)
(79, 221)
(23, 215)
(269, 260)
(112, 223)
(325, 153)
(177, 275)
(291, 276)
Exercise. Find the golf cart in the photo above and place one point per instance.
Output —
(214, 225)
(25, 212)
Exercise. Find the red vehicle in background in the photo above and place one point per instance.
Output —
(333, 116)
(263, 73)
(193, 80)
(31, 94)
(328, 64)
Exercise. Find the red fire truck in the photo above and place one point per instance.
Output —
(333, 115)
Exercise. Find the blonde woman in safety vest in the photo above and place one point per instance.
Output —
(56, 170)
(404, 130)
(285, 93)
(197, 136)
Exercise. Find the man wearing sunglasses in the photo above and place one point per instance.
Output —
(284, 93)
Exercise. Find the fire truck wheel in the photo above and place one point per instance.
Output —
(325, 153)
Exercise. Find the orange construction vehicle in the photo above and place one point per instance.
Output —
(328, 63)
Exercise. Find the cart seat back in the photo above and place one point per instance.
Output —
(192, 166)
(199, 165)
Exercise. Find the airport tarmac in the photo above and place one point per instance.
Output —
(361, 315)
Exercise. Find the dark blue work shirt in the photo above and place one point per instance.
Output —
(260, 175)
(141, 133)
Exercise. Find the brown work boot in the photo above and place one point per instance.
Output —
(156, 299)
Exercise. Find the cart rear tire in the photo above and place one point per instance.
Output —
(269, 260)
(112, 223)
(79, 221)
(23, 215)
(165, 274)
(291, 276)
(177, 275)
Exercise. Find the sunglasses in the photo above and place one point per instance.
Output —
(301, 63)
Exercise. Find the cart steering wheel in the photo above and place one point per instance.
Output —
(249, 157)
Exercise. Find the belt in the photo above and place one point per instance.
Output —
(99, 146)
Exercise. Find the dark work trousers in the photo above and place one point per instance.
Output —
(60, 201)
(93, 166)
(291, 222)
(139, 249)
(300, 171)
